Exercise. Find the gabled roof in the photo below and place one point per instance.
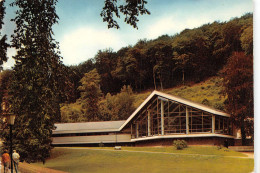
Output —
(88, 127)
(176, 99)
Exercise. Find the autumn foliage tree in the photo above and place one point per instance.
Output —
(238, 87)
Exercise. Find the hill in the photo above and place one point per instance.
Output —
(207, 92)
(192, 55)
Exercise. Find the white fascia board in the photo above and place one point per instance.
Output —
(85, 131)
(137, 110)
(192, 104)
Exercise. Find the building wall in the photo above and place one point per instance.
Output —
(119, 138)
(191, 141)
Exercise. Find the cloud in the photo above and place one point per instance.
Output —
(84, 43)
(171, 25)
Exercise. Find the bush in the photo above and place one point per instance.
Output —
(180, 144)
(206, 102)
(219, 147)
(101, 144)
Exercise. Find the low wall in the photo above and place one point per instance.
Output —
(190, 141)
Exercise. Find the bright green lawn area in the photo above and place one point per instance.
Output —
(79, 160)
(202, 150)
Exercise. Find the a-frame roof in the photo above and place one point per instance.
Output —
(176, 99)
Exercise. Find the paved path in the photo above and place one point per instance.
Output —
(29, 168)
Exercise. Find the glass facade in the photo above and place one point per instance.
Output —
(167, 117)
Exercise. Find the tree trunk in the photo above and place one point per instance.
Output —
(154, 83)
(183, 77)
(161, 82)
(243, 133)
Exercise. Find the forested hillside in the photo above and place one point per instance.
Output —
(192, 55)
(184, 59)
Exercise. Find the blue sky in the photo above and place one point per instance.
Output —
(81, 32)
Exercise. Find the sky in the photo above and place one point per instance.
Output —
(81, 31)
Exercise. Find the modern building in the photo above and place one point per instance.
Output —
(159, 120)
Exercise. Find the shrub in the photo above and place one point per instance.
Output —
(101, 144)
(180, 144)
(219, 147)
(206, 102)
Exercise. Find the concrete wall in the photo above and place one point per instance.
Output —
(191, 141)
(92, 139)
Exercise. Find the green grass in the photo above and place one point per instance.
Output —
(83, 160)
(209, 89)
(202, 150)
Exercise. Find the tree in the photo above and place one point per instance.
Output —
(35, 90)
(191, 54)
(161, 56)
(5, 82)
(3, 44)
(90, 95)
(135, 66)
(247, 40)
(238, 87)
(130, 9)
(119, 106)
(105, 63)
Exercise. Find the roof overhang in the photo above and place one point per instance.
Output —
(85, 131)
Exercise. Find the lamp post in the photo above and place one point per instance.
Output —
(10, 121)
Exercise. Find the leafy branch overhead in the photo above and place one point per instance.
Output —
(131, 9)
(3, 39)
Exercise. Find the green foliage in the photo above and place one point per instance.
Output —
(180, 144)
(247, 40)
(219, 147)
(122, 105)
(205, 102)
(105, 63)
(130, 9)
(90, 95)
(35, 89)
(168, 61)
(71, 113)
(210, 95)
(193, 55)
(3, 44)
(118, 107)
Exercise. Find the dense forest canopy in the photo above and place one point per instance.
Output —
(189, 56)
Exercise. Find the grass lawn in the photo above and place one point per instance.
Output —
(77, 160)
(209, 90)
